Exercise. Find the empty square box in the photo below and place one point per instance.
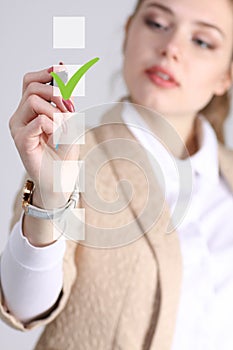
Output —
(68, 32)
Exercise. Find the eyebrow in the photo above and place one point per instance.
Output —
(209, 25)
(162, 7)
(201, 23)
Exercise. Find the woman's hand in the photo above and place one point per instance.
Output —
(32, 127)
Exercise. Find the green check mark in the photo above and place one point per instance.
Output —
(66, 90)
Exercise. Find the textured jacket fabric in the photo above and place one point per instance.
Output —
(125, 297)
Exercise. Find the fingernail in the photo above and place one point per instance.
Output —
(69, 105)
(50, 70)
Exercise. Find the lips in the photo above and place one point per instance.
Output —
(162, 77)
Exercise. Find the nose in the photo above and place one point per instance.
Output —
(172, 46)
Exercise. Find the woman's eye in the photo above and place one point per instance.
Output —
(156, 24)
(203, 44)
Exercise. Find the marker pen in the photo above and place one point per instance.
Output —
(68, 104)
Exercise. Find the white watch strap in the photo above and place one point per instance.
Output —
(52, 214)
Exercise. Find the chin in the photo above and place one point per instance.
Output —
(149, 102)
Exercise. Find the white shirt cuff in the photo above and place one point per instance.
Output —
(35, 258)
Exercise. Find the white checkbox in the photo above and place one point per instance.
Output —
(69, 128)
(70, 70)
(68, 32)
(66, 173)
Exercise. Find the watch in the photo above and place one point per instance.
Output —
(40, 213)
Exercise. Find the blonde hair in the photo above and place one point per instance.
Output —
(217, 110)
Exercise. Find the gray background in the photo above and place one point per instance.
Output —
(26, 45)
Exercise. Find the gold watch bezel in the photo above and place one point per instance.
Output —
(28, 190)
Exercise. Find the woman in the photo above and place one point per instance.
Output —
(164, 290)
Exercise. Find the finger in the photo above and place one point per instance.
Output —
(68, 103)
(42, 129)
(30, 109)
(46, 92)
(41, 76)
(32, 132)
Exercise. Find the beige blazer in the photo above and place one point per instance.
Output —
(126, 297)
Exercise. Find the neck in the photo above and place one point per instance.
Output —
(178, 133)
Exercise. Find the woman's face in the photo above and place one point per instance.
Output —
(178, 54)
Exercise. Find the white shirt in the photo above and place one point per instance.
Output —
(25, 269)
(205, 314)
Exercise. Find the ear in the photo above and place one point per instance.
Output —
(226, 82)
(127, 24)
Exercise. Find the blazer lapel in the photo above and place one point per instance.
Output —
(151, 214)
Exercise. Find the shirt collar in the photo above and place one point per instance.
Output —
(204, 162)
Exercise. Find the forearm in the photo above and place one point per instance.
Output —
(43, 232)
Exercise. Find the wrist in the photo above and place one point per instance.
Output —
(52, 209)
(53, 200)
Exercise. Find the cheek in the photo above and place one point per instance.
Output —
(131, 62)
(137, 44)
(205, 77)
(131, 54)
(135, 62)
